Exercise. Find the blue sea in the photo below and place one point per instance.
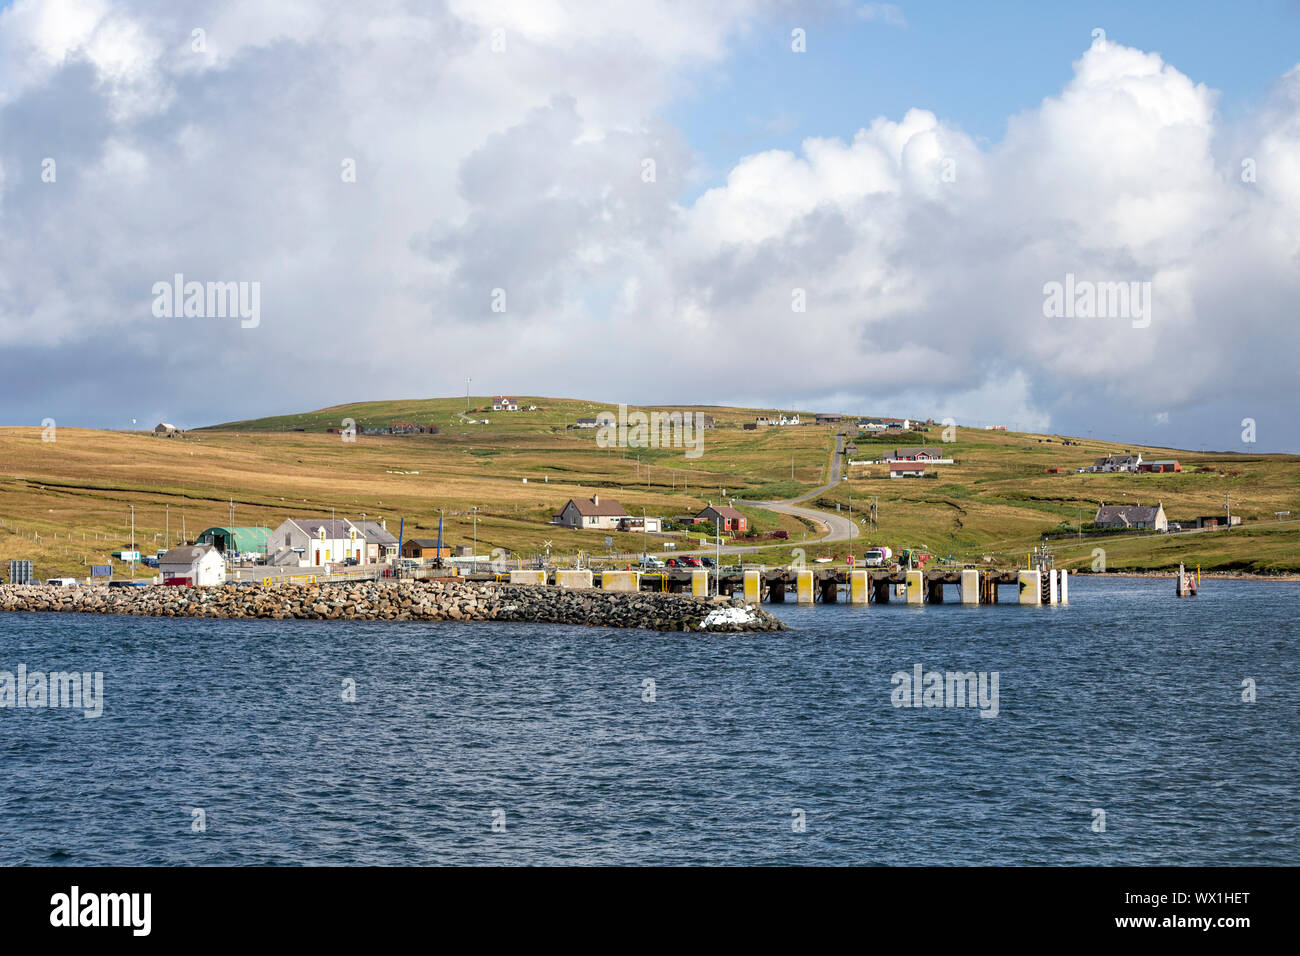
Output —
(519, 744)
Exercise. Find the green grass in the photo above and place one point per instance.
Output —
(996, 500)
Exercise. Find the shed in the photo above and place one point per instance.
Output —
(196, 565)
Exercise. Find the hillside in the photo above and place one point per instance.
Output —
(66, 503)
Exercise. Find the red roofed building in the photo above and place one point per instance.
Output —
(725, 517)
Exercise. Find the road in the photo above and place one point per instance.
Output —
(838, 526)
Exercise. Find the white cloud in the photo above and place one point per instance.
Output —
(922, 254)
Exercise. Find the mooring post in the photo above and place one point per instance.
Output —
(804, 594)
(700, 582)
(970, 586)
(915, 585)
(1030, 587)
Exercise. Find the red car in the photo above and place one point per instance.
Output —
(685, 561)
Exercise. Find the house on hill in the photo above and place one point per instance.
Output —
(725, 517)
(590, 513)
(917, 454)
(1114, 463)
(1137, 517)
(164, 430)
(505, 403)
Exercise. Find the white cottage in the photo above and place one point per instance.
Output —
(199, 566)
(315, 542)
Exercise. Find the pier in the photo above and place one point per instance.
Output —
(824, 586)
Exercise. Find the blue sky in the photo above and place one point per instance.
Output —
(973, 64)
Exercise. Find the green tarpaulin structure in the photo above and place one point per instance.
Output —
(241, 540)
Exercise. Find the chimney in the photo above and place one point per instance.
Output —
(383, 523)
(595, 499)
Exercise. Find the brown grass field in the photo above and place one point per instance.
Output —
(66, 503)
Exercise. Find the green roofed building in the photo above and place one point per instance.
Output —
(238, 540)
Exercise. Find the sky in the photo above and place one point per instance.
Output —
(832, 205)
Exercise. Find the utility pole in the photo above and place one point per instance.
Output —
(467, 381)
(474, 508)
(1227, 506)
(645, 545)
(717, 559)
(167, 526)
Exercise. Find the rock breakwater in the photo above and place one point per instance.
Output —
(402, 601)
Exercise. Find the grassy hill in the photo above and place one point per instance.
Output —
(66, 503)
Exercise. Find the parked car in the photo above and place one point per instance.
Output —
(350, 562)
(650, 561)
(62, 582)
(783, 535)
(707, 562)
(685, 561)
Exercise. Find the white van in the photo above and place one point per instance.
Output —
(62, 582)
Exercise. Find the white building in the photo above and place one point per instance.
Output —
(593, 514)
(1114, 463)
(907, 469)
(381, 546)
(505, 403)
(314, 542)
(198, 565)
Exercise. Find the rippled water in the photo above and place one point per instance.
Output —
(1128, 701)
